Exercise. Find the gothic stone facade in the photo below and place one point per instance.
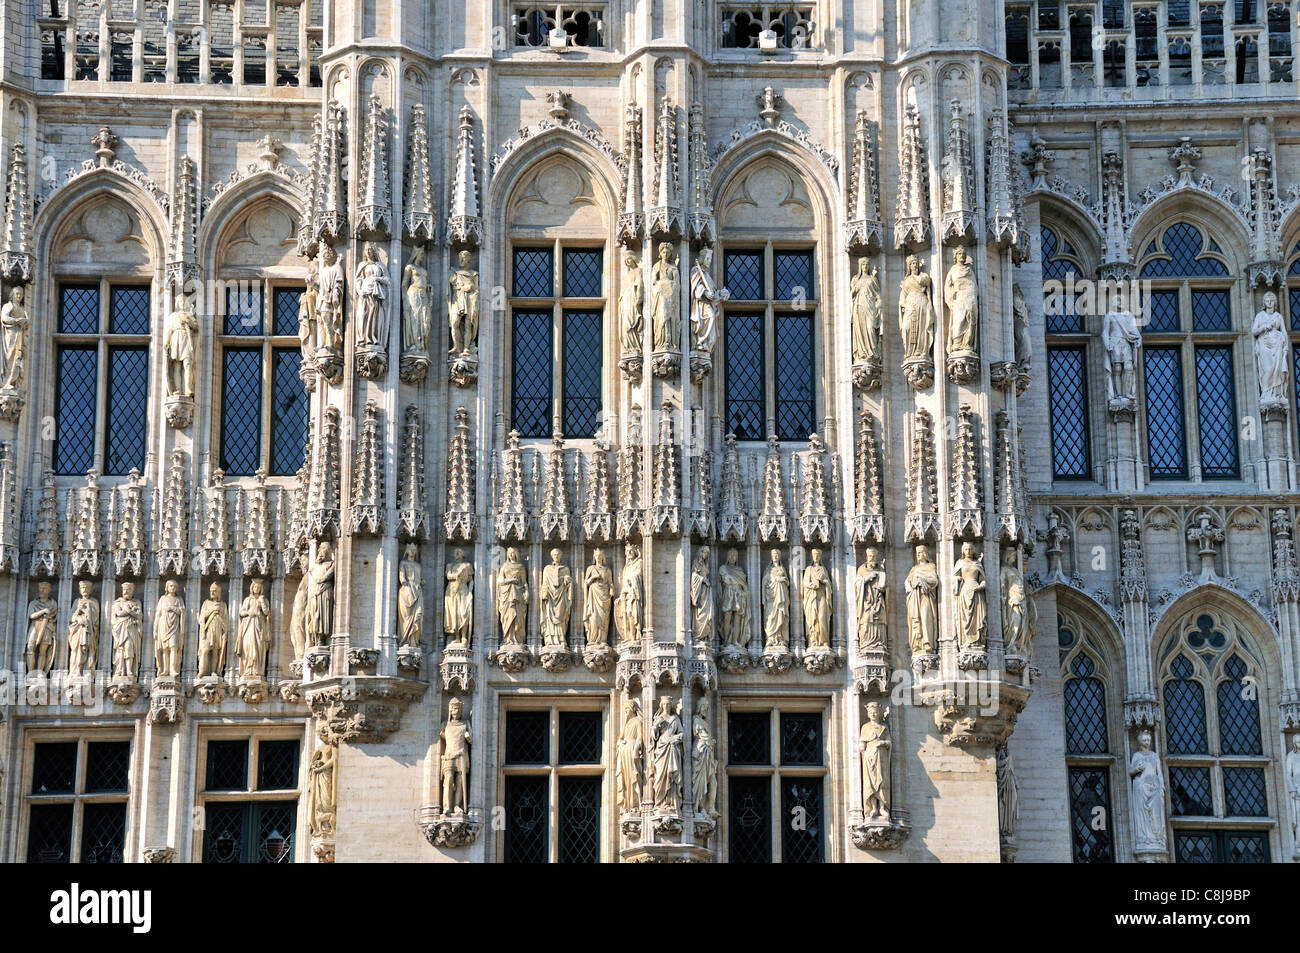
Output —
(385, 474)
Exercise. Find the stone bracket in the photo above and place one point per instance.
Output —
(360, 708)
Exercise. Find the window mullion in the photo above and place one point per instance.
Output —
(557, 363)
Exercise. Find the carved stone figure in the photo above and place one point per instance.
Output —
(706, 298)
(329, 302)
(817, 599)
(1271, 358)
(42, 617)
(1015, 610)
(462, 306)
(702, 597)
(298, 617)
(704, 761)
(456, 742)
(667, 736)
(870, 590)
(970, 590)
(410, 597)
(630, 597)
(83, 631)
(213, 631)
(557, 600)
(1020, 322)
(776, 604)
(1008, 795)
(922, 586)
(1122, 341)
(631, 308)
(512, 598)
(961, 296)
(458, 600)
(14, 322)
(320, 596)
(307, 313)
(597, 594)
(734, 602)
(867, 320)
(1148, 797)
(916, 322)
(417, 316)
(169, 631)
(128, 618)
(665, 309)
(1292, 768)
(322, 799)
(180, 341)
(254, 633)
(874, 744)
(629, 770)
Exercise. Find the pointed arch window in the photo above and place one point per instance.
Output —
(1067, 359)
(1088, 759)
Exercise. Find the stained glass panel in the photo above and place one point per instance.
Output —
(526, 809)
(1091, 841)
(289, 404)
(579, 834)
(1216, 401)
(746, 414)
(74, 440)
(1067, 396)
(582, 378)
(1245, 847)
(128, 397)
(1194, 847)
(223, 833)
(275, 828)
(531, 374)
(1294, 296)
(241, 410)
(743, 275)
(749, 820)
(1167, 446)
(801, 823)
(795, 404)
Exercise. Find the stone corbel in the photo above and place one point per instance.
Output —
(360, 708)
(449, 830)
(987, 719)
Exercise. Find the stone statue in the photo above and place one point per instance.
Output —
(83, 631)
(705, 301)
(1148, 797)
(817, 599)
(702, 597)
(456, 742)
(417, 316)
(298, 617)
(734, 603)
(1122, 341)
(322, 799)
(867, 320)
(597, 594)
(128, 618)
(923, 604)
(42, 618)
(557, 600)
(970, 590)
(462, 307)
(961, 296)
(667, 736)
(631, 308)
(254, 632)
(329, 302)
(1020, 327)
(629, 764)
(870, 587)
(627, 620)
(14, 322)
(1015, 611)
(458, 600)
(512, 598)
(307, 311)
(213, 631)
(665, 311)
(1292, 768)
(320, 596)
(704, 763)
(776, 604)
(372, 300)
(169, 631)
(180, 341)
(874, 746)
(410, 597)
(1008, 795)
(1271, 357)
(916, 314)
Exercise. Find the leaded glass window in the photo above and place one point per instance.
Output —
(1221, 847)
(1091, 841)
(745, 384)
(1087, 745)
(1184, 698)
(1061, 270)
(1085, 709)
(1067, 398)
(249, 799)
(1166, 440)
(77, 795)
(776, 758)
(1216, 409)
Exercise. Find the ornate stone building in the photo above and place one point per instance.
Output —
(637, 431)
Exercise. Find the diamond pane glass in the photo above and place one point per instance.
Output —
(1216, 401)
(74, 440)
(795, 406)
(582, 272)
(228, 765)
(241, 410)
(128, 311)
(103, 834)
(1085, 716)
(289, 404)
(1189, 791)
(746, 402)
(1294, 296)
(1194, 847)
(1057, 255)
(743, 275)
(1162, 307)
(224, 828)
(801, 821)
(801, 738)
(749, 738)
(1061, 313)
(1244, 792)
(1238, 712)
(749, 820)
(284, 315)
(580, 737)
(1090, 824)
(128, 398)
(526, 807)
(1245, 847)
(531, 374)
(1067, 397)
(243, 309)
(579, 834)
(108, 766)
(1183, 247)
(1295, 370)
(1185, 717)
(582, 365)
(533, 273)
(79, 309)
(1211, 311)
(275, 823)
(794, 276)
(277, 765)
(1167, 446)
(528, 737)
(49, 834)
(54, 767)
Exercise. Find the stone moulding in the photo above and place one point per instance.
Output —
(360, 708)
